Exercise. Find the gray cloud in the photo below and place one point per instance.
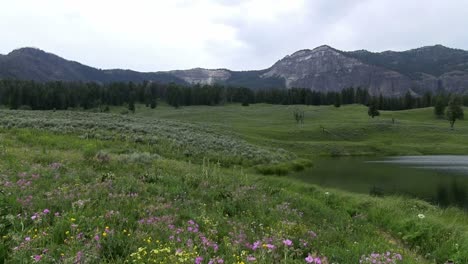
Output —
(151, 35)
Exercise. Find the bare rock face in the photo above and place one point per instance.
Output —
(424, 82)
(202, 76)
(326, 69)
(455, 81)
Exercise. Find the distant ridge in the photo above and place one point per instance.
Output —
(324, 68)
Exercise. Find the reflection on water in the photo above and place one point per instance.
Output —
(453, 163)
(442, 180)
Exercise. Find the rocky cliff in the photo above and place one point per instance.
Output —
(326, 69)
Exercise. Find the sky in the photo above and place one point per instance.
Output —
(156, 35)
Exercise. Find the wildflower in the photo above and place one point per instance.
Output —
(387, 257)
(46, 211)
(37, 258)
(78, 257)
(309, 259)
(198, 260)
(251, 258)
(256, 245)
(421, 216)
(27, 239)
(96, 237)
(287, 242)
(270, 246)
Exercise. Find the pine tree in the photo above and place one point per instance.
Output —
(439, 107)
(373, 109)
(337, 101)
(454, 110)
(131, 102)
(153, 103)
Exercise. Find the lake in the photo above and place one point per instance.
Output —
(439, 179)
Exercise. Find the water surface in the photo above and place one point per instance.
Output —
(440, 179)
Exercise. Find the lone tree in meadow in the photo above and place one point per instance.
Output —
(373, 109)
(454, 110)
(299, 116)
(439, 107)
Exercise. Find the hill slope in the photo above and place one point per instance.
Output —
(35, 64)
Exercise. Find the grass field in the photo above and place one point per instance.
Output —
(178, 186)
(349, 130)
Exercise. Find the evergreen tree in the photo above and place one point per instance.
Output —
(147, 97)
(131, 106)
(174, 95)
(454, 110)
(131, 102)
(337, 101)
(373, 110)
(381, 104)
(153, 103)
(439, 107)
(408, 101)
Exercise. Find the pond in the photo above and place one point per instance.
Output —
(439, 179)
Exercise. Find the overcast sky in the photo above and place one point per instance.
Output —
(153, 35)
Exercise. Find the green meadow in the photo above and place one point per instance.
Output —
(216, 184)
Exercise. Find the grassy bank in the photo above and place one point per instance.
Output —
(82, 188)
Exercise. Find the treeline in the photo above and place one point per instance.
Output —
(64, 95)
(59, 95)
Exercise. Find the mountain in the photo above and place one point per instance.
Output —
(324, 68)
(327, 69)
(35, 64)
(430, 68)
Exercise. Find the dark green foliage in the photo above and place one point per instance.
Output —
(434, 60)
(439, 107)
(337, 102)
(174, 95)
(131, 106)
(69, 95)
(153, 103)
(408, 101)
(373, 109)
(454, 110)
